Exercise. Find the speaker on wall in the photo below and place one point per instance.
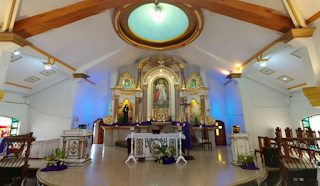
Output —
(271, 156)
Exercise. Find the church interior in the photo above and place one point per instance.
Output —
(159, 92)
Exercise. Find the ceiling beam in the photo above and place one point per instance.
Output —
(10, 14)
(251, 13)
(313, 18)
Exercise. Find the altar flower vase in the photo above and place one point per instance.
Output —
(184, 124)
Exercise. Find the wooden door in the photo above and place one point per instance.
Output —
(99, 136)
(220, 133)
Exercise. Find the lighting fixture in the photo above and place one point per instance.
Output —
(285, 78)
(158, 15)
(263, 64)
(160, 70)
(16, 52)
(47, 67)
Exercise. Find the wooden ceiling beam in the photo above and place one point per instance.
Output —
(251, 13)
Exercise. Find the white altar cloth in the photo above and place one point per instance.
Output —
(146, 143)
(44, 147)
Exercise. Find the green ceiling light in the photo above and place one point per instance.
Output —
(157, 15)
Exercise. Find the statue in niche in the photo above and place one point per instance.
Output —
(125, 113)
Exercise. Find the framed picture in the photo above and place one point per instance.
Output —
(82, 126)
(235, 129)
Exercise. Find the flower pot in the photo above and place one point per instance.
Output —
(249, 166)
(57, 167)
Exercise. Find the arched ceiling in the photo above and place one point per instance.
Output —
(89, 43)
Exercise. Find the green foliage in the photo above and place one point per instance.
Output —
(164, 152)
(246, 158)
(170, 117)
(196, 120)
(121, 118)
(151, 118)
(60, 156)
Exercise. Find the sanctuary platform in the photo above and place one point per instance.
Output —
(108, 168)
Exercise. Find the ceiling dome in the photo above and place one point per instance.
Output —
(161, 27)
(158, 23)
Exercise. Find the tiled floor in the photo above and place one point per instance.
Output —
(109, 168)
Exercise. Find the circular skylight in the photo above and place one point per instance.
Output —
(158, 23)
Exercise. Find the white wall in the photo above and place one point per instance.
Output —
(83, 103)
(100, 99)
(300, 107)
(50, 110)
(268, 109)
(218, 104)
(234, 107)
(15, 106)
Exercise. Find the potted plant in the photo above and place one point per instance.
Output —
(164, 155)
(247, 161)
(170, 117)
(56, 162)
(196, 120)
(121, 118)
(151, 118)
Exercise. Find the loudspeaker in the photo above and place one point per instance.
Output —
(271, 156)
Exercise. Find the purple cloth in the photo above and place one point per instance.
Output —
(186, 131)
(146, 123)
(129, 145)
(57, 167)
(251, 166)
(167, 161)
(3, 146)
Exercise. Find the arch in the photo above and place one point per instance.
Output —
(98, 139)
(165, 71)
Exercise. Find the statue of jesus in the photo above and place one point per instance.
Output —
(161, 95)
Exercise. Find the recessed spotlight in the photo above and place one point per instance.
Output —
(47, 67)
(160, 70)
(16, 52)
(285, 78)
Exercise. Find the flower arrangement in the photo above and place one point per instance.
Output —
(56, 162)
(164, 153)
(60, 157)
(121, 118)
(246, 158)
(151, 118)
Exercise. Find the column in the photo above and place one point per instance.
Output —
(136, 117)
(116, 102)
(203, 75)
(144, 103)
(177, 101)
(139, 78)
(182, 78)
(6, 50)
(203, 107)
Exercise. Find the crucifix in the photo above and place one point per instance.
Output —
(184, 115)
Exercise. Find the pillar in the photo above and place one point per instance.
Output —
(203, 107)
(136, 117)
(182, 78)
(6, 50)
(144, 103)
(203, 75)
(139, 78)
(177, 103)
(116, 102)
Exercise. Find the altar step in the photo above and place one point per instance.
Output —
(122, 144)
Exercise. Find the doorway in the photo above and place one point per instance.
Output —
(220, 133)
(97, 132)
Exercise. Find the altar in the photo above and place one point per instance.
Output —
(146, 143)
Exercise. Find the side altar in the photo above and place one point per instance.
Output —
(157, 97)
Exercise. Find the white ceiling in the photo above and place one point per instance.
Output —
(91, 45)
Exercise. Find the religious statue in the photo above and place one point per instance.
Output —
(161, 95)
(210, 120)
(125, 113)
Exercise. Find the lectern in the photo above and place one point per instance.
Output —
(239, 146)
(75, 142)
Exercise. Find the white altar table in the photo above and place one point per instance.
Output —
(146, 143)
(44, 147)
